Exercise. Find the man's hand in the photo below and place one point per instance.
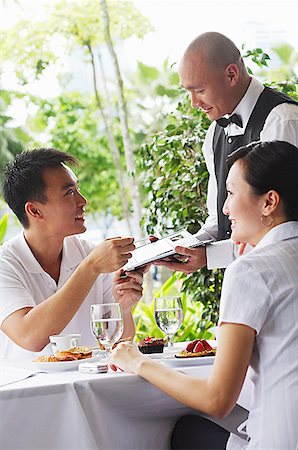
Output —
(128, 291)
(194, 259)
(111, 254)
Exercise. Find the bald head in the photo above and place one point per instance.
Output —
(213, 72)
(217, 50)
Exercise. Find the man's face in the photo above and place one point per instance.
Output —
(63, 213)
(209, 88)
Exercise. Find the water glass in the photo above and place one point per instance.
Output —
(106, 324)
(168, 316)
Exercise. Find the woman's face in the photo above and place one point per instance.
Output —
(243, 208)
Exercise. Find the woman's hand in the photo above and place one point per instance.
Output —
(241, 247)
(126, 357)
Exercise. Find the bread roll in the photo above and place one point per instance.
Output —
(44, 358)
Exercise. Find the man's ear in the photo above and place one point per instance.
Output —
(32, 210)
(272, 200)
(232, 73)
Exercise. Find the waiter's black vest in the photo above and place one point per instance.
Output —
(223, 145)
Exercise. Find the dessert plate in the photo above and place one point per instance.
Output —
(61, 366)
(183, 362)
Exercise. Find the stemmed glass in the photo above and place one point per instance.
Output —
(106, 324)
(168, 316)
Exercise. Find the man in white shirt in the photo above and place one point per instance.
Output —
(242, 110)
(49, 277)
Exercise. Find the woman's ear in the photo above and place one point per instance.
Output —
(271, 202)
(32, 210)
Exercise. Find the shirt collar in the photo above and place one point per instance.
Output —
(71, 255)
(246, 106)
(286, 230)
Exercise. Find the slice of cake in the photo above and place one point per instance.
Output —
(151, 345)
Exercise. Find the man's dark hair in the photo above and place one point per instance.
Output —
(23, 178)
(271, 165)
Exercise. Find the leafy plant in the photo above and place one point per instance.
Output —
(3, 227)
(191, 327)
(174, 174)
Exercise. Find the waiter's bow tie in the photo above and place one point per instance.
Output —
(234, 118)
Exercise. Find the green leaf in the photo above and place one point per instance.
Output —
(3, 227)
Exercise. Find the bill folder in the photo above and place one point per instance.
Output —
(162, 248)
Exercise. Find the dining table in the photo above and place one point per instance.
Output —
(70, 410)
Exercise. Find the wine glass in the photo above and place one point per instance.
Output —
(106, 324)
(168, 316)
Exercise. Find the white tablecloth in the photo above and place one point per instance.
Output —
(71, 410)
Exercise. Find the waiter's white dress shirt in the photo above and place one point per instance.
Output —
(281, 124)
(260, 290)
(24, 283)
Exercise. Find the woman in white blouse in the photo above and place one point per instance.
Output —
(258, 309)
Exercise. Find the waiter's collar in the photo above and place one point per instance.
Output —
(71, 255)
(248, 101)
(286, 230)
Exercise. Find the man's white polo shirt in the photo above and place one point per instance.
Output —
(23, 283)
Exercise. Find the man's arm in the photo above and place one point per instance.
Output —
(282, 124)
(31, 327)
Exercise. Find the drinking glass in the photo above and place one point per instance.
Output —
(168, 316)
(106, 324)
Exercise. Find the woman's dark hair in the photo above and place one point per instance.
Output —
(271, 165)
(23, 178)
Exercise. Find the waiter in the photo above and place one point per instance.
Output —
(243, 110)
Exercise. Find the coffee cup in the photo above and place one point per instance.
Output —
(63, 342)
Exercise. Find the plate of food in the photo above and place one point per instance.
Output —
(63, 361)
(193, 361)
(196, 353)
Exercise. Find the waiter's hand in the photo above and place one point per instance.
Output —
(190, 261)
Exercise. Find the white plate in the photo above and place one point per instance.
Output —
(183, 362)
(61, 366)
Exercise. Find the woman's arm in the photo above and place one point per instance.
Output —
(215, 396)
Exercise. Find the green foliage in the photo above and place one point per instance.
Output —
(288, 87)
(154, 91)
(282, 78)
(174, 174)
(73, 123)
(3, 227)
(257, 56)
(170, 159)
(191, 327)
(32, 44)
(12, 140)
